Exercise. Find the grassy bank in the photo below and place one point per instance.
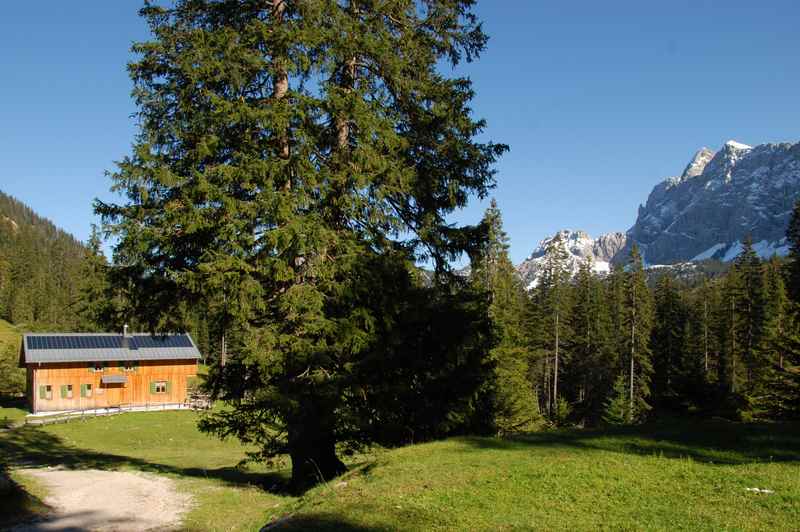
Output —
(692, 476)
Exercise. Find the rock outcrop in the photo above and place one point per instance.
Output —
(717, 202)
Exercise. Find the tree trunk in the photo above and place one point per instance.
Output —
(223, 352)
(633, 349)
(312, 448)
(280, 83)
(733, 346)
(547, 388)
(555, 372)
(705, 336)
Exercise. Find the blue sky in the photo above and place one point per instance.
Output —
(599, 101)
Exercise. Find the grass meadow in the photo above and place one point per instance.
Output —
(671, 476)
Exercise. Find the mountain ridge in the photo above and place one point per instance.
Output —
(706, 212)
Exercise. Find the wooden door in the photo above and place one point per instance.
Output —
(113, 393)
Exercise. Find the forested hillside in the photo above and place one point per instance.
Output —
(622, 348)
(40, 270)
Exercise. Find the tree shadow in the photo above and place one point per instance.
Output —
(380, 518)
(32, 447)
(17, 505)
(710, 441)
(62, 522)
(322, 522)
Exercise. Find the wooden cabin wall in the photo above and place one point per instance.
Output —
(136, 391)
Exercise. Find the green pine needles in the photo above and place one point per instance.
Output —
(294, 160)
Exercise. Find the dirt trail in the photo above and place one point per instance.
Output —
(108, 500)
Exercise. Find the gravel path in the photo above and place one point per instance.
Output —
(108, 500)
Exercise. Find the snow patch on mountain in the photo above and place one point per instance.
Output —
(710, 252)
(738, 145)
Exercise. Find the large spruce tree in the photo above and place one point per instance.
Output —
(294, 159)
(551, 299)
(638, 319)
(594, 364)
(671, 363)
(515, 404)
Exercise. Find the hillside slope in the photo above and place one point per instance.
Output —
(40, 269)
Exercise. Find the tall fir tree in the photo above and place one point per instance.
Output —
(751, 309)
(730, 326)
(286, 147)
(638, 319)
(515, 403)
(793, 266)
(671, 363)
(594, 364)
(551, 299)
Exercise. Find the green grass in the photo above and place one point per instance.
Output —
(677, 476)
(227, 497)
(9, 415)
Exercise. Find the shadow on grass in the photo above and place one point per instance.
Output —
(17, 506)
(712, 441)
(32, 447)
(322, 522)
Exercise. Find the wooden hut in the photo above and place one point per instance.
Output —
(80, 371)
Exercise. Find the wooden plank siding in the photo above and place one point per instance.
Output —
(138, 390)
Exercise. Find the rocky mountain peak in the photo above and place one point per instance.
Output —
(733, 145)
(579, 246)
(698, 163)
(742, 190)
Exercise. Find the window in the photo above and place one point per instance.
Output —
(66, 391)
(97, 366)
(86, 390)
(159, 387)
(130, 365)
(46, 392)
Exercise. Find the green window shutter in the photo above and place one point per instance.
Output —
(91, 366)
(42, 392)
(63, 391)
(83, 390)
(135, 365)
(169, 386)
(152, 387)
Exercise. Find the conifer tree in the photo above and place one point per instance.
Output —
(515, 405)
(776, 310)
(285, 149)
(669, 339)
(730, 326)
(553, 301)
(751, 309)
(617, 406)
(769, 393)
(638, 319)
(594, 364)
(793, 267)
(95, 303)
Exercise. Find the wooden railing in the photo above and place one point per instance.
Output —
(72, 415)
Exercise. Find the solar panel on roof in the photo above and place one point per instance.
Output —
(145, 342)
(53, 342)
